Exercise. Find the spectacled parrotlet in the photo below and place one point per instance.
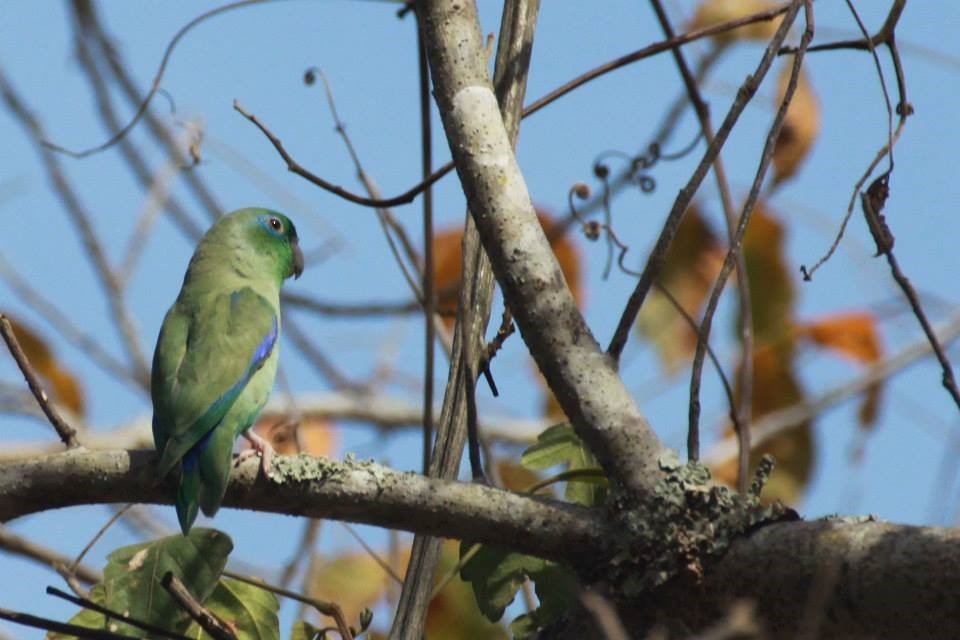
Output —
(216, 356)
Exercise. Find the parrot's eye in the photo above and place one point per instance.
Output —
(275, 224)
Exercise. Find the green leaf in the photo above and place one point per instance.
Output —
(132, 575)
(560, 444)
(303, 630)
(556, 445)
(556, 588)
(588, 492)
(247, 609)
(496, 575)
(131, 580)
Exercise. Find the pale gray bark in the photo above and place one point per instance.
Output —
(583, 378)
(517, 28)
(842, 578)
(845, 578)
(355, 491)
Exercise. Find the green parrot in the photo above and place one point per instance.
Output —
(216, 356)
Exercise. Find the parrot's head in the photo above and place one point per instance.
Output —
(265, 240)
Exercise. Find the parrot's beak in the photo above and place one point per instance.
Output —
(297, 260)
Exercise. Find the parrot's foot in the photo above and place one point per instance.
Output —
(258, 446)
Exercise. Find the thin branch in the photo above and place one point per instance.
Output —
(82, 220)
(347, 309)
(658, 254)
(429, 273)
(772, 424)
(383, 564)
(297, 168)
(65, 326)
(740, 412)
(693, 438)
(72, 630)
(68, 435)
(86, 13)
(209, 622)
(873, 201)
(153, 87)
(87, 30)
(13, 543)
(86, 603)
(408, 196)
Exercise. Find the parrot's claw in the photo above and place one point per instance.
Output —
(258, 446)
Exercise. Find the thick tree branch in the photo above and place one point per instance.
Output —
(844, 578)
(580, 374)
(872, 579)
(361, 492)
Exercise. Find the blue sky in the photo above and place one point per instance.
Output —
(257, 55)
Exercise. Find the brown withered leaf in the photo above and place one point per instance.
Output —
(447, 251)
(801, 125)
(515, 477)
(287, 437)
(352, 580)
(855, 336)
(691, 266)
(775, 386)
(711, 12)
(62, 385)
(772, 289)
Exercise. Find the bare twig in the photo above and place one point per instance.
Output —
(72, 569)
(73, 630)
(201, 615)
(739, 412)
(693, 440)
(10, 541)
(873, 201)
(903, 110)
(408, 196)
(346, 309)
(383, 564)
(772, 424)
(429, 273)
(86, 603)
(300, 170)
(65, 326)
(82, 220)
(658, 254)
(87, 25)
(153, 87)
(67, 433)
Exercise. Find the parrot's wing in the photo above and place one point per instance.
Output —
(207, 354)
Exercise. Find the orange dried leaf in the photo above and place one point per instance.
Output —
(711, 12)
(801, 125)
(771, 281)
(515, 477)
(853, 335)
(61, 384)
(775, 386)
(447, 252)
(287, 437)
(691, 266)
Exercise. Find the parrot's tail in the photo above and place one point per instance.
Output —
(187, 495)
(206, 472)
